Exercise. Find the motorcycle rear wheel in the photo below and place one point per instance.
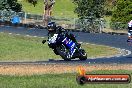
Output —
(64, 52)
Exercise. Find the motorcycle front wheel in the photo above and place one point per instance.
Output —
(83, 55)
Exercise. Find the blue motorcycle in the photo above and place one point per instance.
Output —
(129, 40)
(66, 47)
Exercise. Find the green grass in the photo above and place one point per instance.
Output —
(94, 51)
(17, 48)
(108, 20)
(62, 8)
(29, 8)
(20, 48)
(57, 81)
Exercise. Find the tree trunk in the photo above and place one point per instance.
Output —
(48, 5)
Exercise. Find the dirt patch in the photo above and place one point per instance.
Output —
(57, 69)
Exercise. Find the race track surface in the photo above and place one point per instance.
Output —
(118, 41)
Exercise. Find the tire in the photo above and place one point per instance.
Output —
(63, 52)
(83, 55)
(81, 80)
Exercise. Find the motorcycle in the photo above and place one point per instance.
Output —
(129, 40)
(65, 47)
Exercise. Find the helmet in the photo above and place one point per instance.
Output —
(51, 26)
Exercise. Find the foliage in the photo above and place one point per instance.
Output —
(118, 25)
(122, 14)
(123, 11)
(88, 25)
(88, 11)
(89, 8)
(109, 6)
(10, 4)
(2, 4)
(34, 2)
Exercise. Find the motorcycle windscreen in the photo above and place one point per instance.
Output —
(70, 44)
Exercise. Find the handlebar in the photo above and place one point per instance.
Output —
(44, 41)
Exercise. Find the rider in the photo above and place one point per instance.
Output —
(53, 29)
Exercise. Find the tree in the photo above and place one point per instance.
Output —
(123, 11)
(34, 2)
(89, 8)
(2, 4)
(89, 11)
(109, 6)
(10, 4)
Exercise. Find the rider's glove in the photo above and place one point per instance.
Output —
(43, 41)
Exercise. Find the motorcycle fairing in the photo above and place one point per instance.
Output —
(70, 44)
(53, 39)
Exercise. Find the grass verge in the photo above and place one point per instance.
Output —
(21, 48)
(57, 81)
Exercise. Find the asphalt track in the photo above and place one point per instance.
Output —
(118, 41)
